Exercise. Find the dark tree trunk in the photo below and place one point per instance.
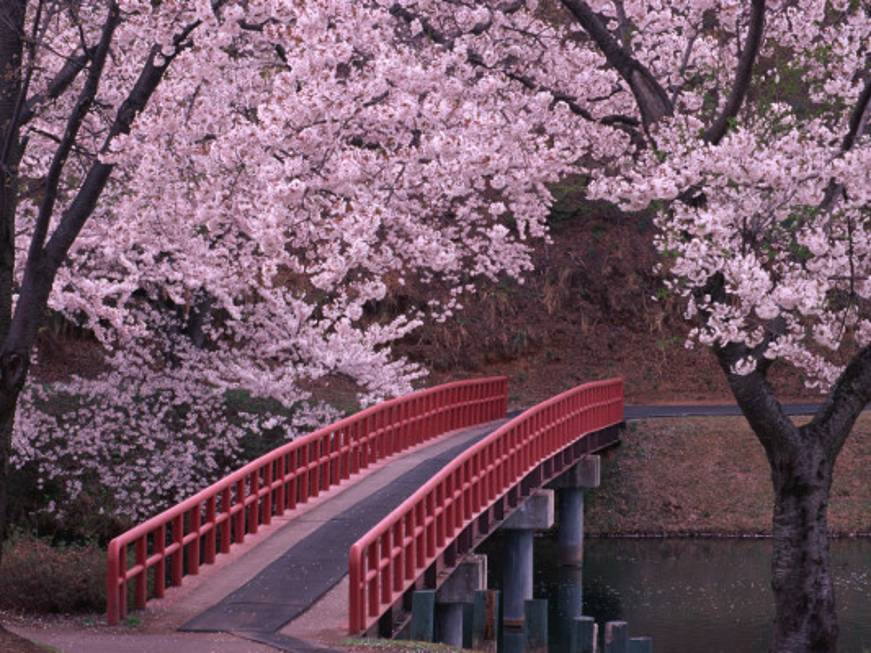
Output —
(802, 461)
(805, 618)
(11, 53)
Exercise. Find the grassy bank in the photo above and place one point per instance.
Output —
(709, 476)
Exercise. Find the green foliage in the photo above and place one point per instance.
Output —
(568, 197)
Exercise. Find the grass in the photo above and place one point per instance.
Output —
(700, 476)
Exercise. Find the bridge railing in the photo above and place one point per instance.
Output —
(177, 541)
(386, 561)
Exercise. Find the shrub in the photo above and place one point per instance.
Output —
(39, 577)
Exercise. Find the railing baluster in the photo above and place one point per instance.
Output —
(160, 566)
(142, 576)
(194, 544)
(212, 535)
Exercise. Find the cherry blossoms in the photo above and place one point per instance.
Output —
(299, 162)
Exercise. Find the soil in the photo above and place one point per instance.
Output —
(586, 312)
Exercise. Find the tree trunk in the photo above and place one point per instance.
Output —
(805, 618)
(11, 53)
(8, 401)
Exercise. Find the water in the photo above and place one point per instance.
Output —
(691, 596)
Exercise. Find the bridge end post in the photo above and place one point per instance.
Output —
(113, 608)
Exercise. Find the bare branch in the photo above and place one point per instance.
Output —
(852, 392)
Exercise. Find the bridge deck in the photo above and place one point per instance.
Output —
(317, 559)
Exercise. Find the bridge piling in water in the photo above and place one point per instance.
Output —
(455, 594)
(570, 487)
(486, 619)
(534, 514)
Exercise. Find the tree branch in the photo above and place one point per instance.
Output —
(86, 199)
(74, 123)
(859, 118)
(652, 100)
(858, 123)
(743, 75)
(626, 124)
(757, 400)
(851, 393)
(56, 87)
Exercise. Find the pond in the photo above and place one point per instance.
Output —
(690, 595)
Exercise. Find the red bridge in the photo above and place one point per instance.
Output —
(463, 469)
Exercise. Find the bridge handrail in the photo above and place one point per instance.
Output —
(194, 531)
(388, 559)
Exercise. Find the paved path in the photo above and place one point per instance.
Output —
(648, 411)
(307, 570)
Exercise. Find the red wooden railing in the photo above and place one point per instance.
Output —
(386, 561)
(177, 541)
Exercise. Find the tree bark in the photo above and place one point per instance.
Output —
(802, 461)
(804, 598)
(11, 54)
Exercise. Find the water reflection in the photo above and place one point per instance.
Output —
(689, 595)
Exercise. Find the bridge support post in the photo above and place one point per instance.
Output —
(640, 645)
(536, 513)
(454, 595)
(585, 634)
(449, 623)
(570, 488)
(423, 615)
(486, 621)
(616, 637)
(569, 601)
(536, 626)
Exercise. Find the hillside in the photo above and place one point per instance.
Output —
(586, 312)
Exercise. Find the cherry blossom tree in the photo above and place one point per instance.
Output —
(225, 191)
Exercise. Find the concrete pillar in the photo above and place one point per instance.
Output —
(535, 513)
(449, 624)
(456, 592)
(513, 640)
(570, 526)
(568, 606)
(570, 593)
(640, 645)
(585, 635)
(423, 616)
(616, 637)
(516, 575)
(536, 626)
(486, 620)
(468, 624)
